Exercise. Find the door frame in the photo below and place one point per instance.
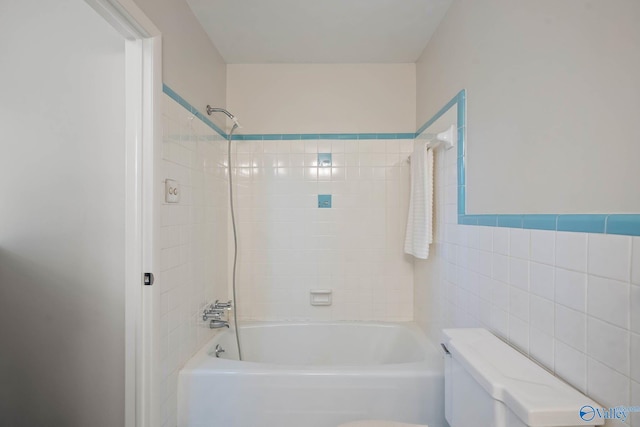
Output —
(143, 85)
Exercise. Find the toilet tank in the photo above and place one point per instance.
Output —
(490, 384)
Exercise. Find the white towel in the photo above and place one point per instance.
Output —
(420, 221)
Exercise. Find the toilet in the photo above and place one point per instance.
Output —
(490, 384)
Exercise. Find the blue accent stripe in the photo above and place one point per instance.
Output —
(462, 131)
(540, 222)
(368, 136)
(462, 109)
(488, 220)
(462, 174)
(184, 103)
(462, 201)
(335, 136)
(405, 136)
(510, 221)
(628, 224)
(582, 223)
(467, 220)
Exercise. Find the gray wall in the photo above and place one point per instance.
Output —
(553, 101)
(61, 216)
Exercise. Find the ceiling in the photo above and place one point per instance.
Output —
(319, 31)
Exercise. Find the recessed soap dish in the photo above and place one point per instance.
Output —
(320, 296)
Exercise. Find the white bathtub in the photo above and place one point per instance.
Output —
(314, 375)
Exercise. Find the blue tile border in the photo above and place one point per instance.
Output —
(540, 222)
(510, 221)
(582, 223)
(628, 224)
(180, 100)
(305, 136)
(624, 224)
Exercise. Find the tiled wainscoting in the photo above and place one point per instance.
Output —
(569, 300)
(289, 246)
(193, 243)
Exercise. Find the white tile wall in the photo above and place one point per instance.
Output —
(288, 246)
(602, 337)
(193, 244)
(542, 280)
(608, 300)
(571, 289)
(635, 309)
(635, 261)
(606, 386)
(609, 256)
(571, 327)
(571, 251)
(571, 365)
(571, 301)
(635, 397)
(543, 247)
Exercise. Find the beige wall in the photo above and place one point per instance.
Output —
(322, 98)
(192, 65)
(553, 100)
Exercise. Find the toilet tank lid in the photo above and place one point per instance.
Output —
(537, 397)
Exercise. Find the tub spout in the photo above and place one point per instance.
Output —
(217, 323)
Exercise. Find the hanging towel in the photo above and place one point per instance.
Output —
(420, 221)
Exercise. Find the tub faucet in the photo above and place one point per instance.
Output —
(222, 305)
(219, 350)
(214, 314)
(218, 323)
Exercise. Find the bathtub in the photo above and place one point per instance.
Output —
(314, 375)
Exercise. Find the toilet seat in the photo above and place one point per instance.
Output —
(379, 423)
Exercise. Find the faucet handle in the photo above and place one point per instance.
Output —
(212, 313)
(222, 305)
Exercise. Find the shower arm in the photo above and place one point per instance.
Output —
(211, 110)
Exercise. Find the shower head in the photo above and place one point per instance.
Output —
(211, 110)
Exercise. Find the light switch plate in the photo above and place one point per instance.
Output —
(171, 191)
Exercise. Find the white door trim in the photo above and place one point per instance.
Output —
(143, 81)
